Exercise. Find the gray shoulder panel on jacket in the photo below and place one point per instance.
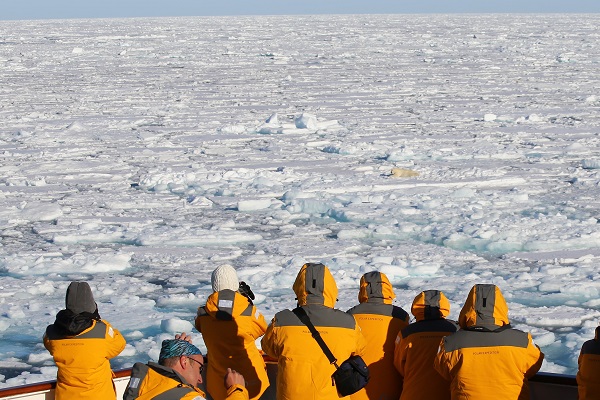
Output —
(226, 304)
(319, 316)
(591, 347)
(138, 373)
(287, 318)
(465, 339)
(97, 332)
(379, 309)
(202, 312)
(248, 311)
(430, 325)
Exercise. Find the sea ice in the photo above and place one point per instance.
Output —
(164, 160)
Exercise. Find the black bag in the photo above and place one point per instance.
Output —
(352, 375)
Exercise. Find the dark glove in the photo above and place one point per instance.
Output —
(246, 291)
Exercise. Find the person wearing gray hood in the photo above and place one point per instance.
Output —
(82, 344)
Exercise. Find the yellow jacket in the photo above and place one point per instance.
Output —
(149, 381)
(380, 322)
(417, 346)
(304, 371)
(82, 360)
(230, 325)
(486, 358)
(589, 364)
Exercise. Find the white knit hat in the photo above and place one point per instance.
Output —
(224, 277)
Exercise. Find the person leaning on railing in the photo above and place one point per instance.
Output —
(177, 375)
(82, 344)
(417, 346)
(304, 370)
(230, 324)
(380, 321)
(487, 358)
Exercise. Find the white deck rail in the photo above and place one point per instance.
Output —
(543, 386)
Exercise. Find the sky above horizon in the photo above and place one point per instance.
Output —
(59, 9)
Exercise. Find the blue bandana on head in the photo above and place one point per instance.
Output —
(177, 348)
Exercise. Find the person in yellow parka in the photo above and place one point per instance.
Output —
(418, 344)
(177, 375)
(304, 372)
(487, 358)
(380, 322)
(588, 377)
(82, 344)
(230, 324)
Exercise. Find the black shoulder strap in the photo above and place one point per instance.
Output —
(301, 313)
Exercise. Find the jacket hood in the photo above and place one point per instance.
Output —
(375, 287)
(315, 285)
(485, 307)
(79, 298)
(73, 324)
(430, 304)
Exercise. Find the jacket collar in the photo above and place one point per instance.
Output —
(167, 372)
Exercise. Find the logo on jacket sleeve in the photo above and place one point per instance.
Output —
(134, 383)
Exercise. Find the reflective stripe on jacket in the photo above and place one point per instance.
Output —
(83, 361)
(486, 358)
(380, 322)
(230, 325)
(588, 381)
(304, 372)
(418, 344)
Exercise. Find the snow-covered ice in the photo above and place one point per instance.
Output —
(443, 150)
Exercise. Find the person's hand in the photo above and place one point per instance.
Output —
(184, 336)
(232, 377)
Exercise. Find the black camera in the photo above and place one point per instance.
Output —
(246, 291)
